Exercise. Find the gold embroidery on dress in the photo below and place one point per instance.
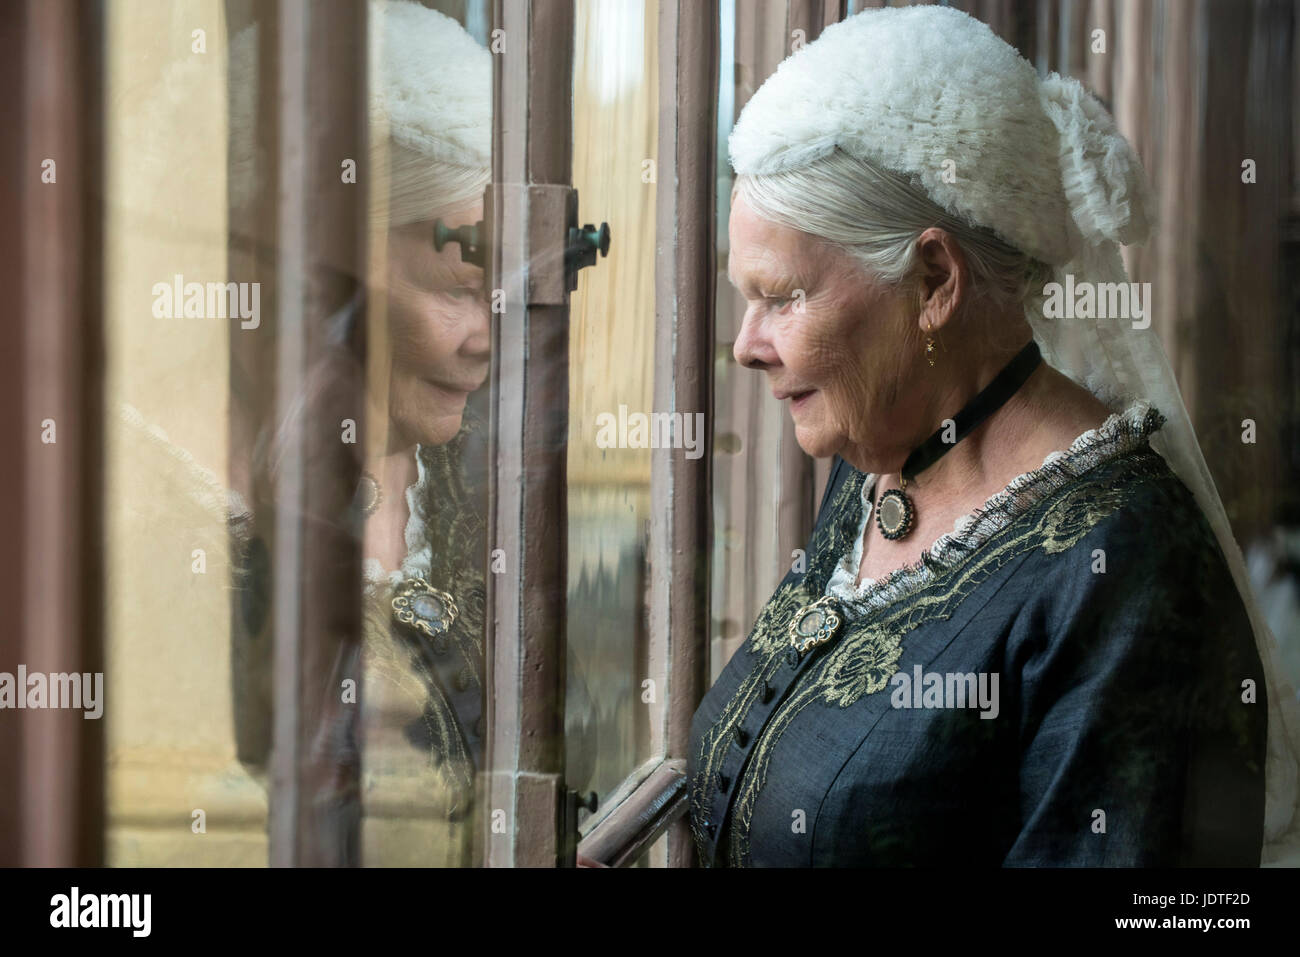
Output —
(411, 688)
(862, 661)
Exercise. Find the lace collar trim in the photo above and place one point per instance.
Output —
(419, 553)
(1121, 433)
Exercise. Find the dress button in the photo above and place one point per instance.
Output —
(478, 727)
(742, 737)
(710, 829)
(723, 782)
(439, 644)
(463, 679)
(792, 658)
(768, 691)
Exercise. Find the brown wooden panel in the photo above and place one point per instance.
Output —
(52, 760)
(528, 504)
(684, 334)
(13, 427)
(315, 770)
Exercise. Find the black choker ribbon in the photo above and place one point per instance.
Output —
(895, 513)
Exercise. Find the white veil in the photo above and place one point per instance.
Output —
(1119, 362)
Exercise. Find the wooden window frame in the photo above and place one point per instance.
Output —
(51, 573)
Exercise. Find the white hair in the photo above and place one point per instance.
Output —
(877, 216)
(421, 189)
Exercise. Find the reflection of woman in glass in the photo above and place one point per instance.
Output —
(421, 701)
(419, 727)
(1017, 640)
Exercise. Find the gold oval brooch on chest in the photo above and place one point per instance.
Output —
(421, 606)
(815, 624)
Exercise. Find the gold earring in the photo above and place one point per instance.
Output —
(929, 343)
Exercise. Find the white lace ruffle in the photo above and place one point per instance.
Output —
(1120, 433)
(419, 552)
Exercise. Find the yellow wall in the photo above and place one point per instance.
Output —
(168, 711)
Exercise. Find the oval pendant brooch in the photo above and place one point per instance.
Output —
(815, 624)
(419, 605)
(895, 514)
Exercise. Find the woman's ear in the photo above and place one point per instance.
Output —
(943, 278)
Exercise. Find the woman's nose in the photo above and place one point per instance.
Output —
(478, 330)
(752, 348)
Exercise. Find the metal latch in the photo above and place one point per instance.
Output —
(570, 805)
(554, 248)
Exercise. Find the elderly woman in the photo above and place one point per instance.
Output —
(1017, 640)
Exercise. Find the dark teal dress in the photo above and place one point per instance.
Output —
(1070, 678)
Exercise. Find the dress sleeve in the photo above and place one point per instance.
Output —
(1138, 744)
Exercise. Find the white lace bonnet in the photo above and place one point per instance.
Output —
(930, 91)
(430, 83)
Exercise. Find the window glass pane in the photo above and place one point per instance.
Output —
(199, 420)
(615, 122)
(176, 792)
